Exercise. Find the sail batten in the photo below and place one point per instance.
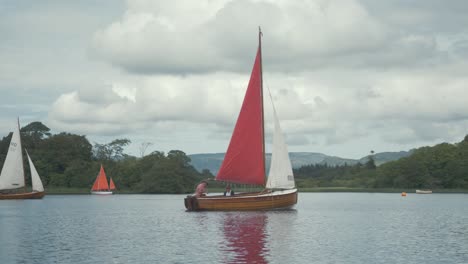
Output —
(244, 160)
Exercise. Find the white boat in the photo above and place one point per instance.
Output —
(423, 191)
(12, 178)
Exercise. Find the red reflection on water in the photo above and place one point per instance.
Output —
(245, 236)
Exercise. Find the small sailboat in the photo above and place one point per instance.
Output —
(423, 191)
(101, 186)
(12, 177)
(244, 162)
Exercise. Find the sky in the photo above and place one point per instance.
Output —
(346, 77)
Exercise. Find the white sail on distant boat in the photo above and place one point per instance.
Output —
(12, 177)
(35, 179)
(423, 191)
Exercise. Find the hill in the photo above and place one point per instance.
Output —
(212, 161)
(384, 157)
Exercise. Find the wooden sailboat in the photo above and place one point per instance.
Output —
(244, 162)
(12, 178)
(100, 185)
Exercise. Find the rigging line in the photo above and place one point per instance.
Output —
(271, 97)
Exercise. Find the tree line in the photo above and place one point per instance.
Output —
(444, 166)
(67, 160)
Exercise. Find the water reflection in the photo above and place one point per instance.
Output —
(245, 237)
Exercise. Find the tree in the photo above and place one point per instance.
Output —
(54, 155)
(36, 130)
(143, 148)
(111, 151)
(370, 164)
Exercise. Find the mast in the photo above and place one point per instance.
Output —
(21, 152)
(260, 34)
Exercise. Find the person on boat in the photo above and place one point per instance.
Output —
(228, 191)
(201, 189)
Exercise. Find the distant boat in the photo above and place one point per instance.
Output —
(244, 162)
(101, 186)
(424, 191)
(12, 177)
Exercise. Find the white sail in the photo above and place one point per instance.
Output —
(36, 180)
(281, 173)
(12, 175)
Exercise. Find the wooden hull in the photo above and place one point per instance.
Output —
(30, 195)
(101, 193)
(243, 202)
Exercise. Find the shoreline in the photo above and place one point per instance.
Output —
(82, 191)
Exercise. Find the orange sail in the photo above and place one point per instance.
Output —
(111, 185)
(244, 161)
(101, 181)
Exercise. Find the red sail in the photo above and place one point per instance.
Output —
(244, 160)
(111, 185)
(101, 182)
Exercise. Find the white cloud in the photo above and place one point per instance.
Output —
(298, 34)
(345, 76)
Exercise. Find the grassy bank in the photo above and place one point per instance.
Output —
(63, 190)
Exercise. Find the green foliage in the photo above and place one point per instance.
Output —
(111, 151)
(36, 130)
(69, 161)
(439, 167)
(168, 174)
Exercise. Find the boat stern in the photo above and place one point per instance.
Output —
(191, 203)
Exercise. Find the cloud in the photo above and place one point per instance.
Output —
(297, 34)
(345, 76)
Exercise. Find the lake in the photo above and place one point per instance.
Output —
(323, 228)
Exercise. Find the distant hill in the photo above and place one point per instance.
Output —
(383, 157)
(212, 161)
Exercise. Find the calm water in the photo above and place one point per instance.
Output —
(324, 228)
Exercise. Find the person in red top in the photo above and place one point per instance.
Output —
(201, 189)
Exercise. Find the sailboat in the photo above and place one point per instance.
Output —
(423, 191)
(100, 185)
(12, 177)
(244, 162)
